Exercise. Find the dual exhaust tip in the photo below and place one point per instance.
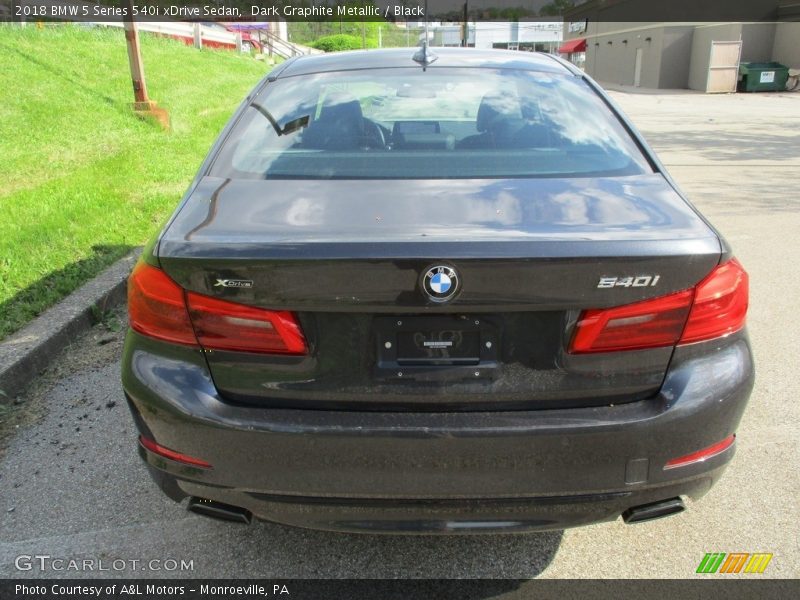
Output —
(219, 511)
(636, 514)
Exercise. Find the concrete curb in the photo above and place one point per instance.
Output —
(27, 352)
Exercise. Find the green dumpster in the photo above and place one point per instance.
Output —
(762, 77)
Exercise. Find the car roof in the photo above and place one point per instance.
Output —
(402, 57)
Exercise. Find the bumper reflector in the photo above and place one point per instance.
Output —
(171, 454)
(701, 455)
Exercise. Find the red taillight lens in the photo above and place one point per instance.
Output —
(156, 306)
(716, 307)
(701, 455)
(720, 304)
(171, 454)
(648, 324)
(222, 325)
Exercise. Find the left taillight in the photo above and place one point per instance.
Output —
(159, 308)
(223, 325)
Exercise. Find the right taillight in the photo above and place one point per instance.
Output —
(160, 308)
(720, 304)
(716, 307)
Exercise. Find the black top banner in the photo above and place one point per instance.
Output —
(571, 11)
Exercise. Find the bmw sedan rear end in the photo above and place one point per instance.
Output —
(456, 296)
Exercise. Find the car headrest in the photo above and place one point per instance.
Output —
(343, 109)
(531, 111)
(497, 106)
(339, 126)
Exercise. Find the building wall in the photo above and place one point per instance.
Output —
(676, 56)
(615, 62)
(489, 33)
(728, 10)
(786, 49)
(757, 42)
(651, 56)
(676, 53)
(666, 50)
(701, 50)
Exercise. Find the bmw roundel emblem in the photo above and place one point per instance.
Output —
(440, 283)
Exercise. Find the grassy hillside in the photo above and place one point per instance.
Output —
(82, 180)
(391, 36)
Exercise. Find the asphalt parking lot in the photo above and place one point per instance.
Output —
(72, 486)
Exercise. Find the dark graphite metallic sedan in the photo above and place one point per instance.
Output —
(453, 293)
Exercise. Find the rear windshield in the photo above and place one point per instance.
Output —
(406, 123)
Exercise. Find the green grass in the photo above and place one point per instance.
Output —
(82, 179)
(391, 36)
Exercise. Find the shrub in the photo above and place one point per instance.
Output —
(337, 43)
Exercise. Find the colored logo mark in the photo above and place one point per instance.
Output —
(734, 562)
(440, 283)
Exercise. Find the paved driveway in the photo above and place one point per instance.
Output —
(71, 485)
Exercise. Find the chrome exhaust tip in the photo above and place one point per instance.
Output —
(218, 510)
(655, 510)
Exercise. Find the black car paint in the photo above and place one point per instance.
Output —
(529, 250)
(436, 472)
(626, 226)
(321, 450)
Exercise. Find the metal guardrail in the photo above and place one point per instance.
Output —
(280, 47)
(202, 34)
(191, 31)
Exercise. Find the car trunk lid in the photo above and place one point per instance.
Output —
(348, 256)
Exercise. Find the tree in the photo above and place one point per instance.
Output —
(557, 8)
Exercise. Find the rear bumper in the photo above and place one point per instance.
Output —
(437, 472)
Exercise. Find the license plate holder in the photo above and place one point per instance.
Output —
(437, 347)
